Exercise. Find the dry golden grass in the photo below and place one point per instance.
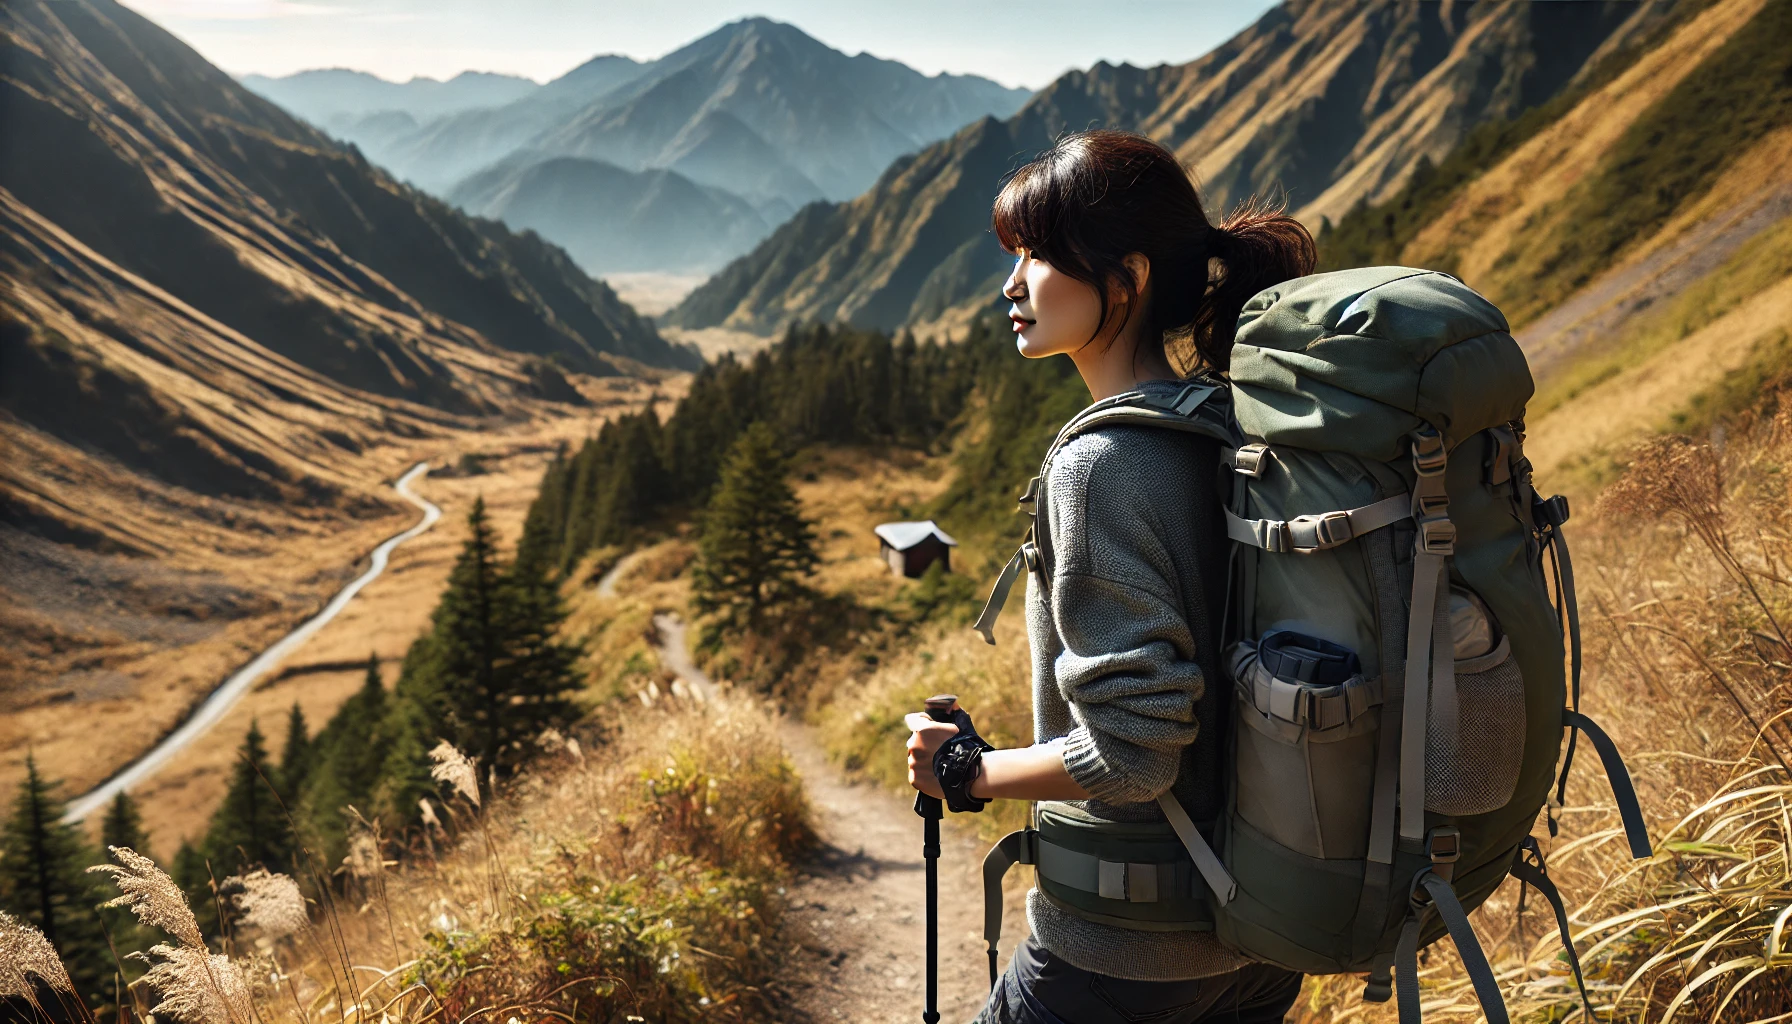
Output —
(642, 881)
(1517, 196)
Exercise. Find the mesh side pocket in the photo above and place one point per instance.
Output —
(1472, 764)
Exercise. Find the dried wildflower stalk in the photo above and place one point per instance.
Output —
(271, 903)
(197, 986)
(23, 952)
(456, 769)
(151, 895)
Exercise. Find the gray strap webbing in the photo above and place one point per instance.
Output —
(1527, 867)
(1015, 848)
(1127, 881)
(1430, 510)
(1427, 572)
(998, 596)
(1224, 888)
(1320, 532)
(1443, 664)
(1622, 790)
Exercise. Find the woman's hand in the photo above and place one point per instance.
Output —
(926, 736)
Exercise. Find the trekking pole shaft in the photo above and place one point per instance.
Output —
(932, 809)
(930, 849)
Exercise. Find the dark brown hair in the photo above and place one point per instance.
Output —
(1096, 197)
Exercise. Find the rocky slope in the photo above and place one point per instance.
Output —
(1331, 103)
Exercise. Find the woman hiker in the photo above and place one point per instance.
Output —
(1118, 267)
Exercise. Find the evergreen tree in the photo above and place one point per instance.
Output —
(346, 763)
(43, 882)
(755, 546)
(295, 759)
(123, 827)
(492, 669)
(249, 828)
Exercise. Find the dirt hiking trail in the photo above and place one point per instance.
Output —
(858, 906)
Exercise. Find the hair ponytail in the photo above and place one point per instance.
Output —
(1256, 246)
(1096, 197)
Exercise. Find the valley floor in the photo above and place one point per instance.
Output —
(83, 723)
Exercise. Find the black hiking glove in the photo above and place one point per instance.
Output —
(956, 762)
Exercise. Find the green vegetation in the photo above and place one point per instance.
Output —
(1669, 157)
(1760, 263)
(755, 547)
(819, 384)
(43, 883)
(1377, 235)
(249, 827)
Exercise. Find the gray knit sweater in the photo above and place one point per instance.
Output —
(1124, 660)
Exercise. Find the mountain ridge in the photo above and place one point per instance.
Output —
(1280, 107)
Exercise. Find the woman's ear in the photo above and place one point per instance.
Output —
(1139, 266)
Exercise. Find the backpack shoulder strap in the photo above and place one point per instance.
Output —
(1203, 406)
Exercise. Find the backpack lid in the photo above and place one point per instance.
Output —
(1353, 361)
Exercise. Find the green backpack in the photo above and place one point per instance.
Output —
(1395, 648)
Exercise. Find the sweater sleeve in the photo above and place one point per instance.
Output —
(1127, 668)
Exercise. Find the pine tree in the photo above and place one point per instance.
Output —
(492, 668)
(250, 827)
(123, 827)
(43, 881)
(755, 546)
(295, 759)
(346, 761)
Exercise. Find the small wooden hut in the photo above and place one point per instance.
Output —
(911, 547)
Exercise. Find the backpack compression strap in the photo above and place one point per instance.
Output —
(1474, 960)
(1527, 867)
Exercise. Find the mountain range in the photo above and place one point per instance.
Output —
(756, 111)
(217, 323)
(1328, 104)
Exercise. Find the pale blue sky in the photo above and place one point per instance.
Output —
(1026, 44)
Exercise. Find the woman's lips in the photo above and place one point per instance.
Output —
(1021, 323)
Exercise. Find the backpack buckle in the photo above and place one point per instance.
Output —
(1428, 455)
(1249, 460)
(1437, 536)
(1554, 510)
(1330, 529)
(1443, 845)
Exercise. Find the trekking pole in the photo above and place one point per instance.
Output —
(940, 709)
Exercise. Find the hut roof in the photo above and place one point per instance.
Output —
(903, 536)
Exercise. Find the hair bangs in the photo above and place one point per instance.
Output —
(1029, 209)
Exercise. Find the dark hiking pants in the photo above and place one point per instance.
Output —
(1039, 988)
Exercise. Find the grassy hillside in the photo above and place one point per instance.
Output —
(1324, 103)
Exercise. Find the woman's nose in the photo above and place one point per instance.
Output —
(1015, 288)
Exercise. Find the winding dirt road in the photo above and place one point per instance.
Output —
(244, 679)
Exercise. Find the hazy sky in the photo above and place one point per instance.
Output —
(1026, 44)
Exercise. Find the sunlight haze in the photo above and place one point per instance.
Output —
(542, 39)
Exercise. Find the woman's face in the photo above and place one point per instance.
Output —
(1053, 313)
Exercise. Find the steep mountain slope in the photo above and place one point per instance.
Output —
(220, 333)
(612, 219)
(324, 95)
(1333, 103)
